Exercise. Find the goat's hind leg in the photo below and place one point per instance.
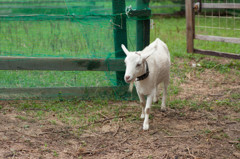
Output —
(165, 85)
(156, 94)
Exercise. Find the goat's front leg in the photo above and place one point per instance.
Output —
(142, 104)
(147, 112)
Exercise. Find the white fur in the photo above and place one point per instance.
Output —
(158, 58)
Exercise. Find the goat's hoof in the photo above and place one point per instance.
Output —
(145, 126)
(163, 109)
(142, 116)
(155, 102)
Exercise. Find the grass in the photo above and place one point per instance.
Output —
(215, 134)
(70, 39)
(21, 118)
(78, 114)
(204, 105)
(220, 67)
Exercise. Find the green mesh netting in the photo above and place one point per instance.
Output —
(69, 28)
(60, 28)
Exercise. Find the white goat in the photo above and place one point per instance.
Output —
(147, 69)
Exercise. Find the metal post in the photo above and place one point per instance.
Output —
(143, 26)
(120, 33)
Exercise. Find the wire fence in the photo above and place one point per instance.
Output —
(215, 23)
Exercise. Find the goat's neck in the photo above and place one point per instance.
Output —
(145, 72)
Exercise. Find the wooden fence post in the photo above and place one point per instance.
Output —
(120, 33)
(190, 25)
(143, 26)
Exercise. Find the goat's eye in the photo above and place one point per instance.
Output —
(138, 65)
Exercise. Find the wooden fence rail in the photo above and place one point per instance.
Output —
(220, 5)
(60, 64)
(218, 38)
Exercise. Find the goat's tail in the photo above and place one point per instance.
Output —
(131, 86)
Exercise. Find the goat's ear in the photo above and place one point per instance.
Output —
(148, 52)
(125, 49)
(145, 55)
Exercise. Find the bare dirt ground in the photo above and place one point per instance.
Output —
(175, 134)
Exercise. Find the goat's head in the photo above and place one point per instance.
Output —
(134, 64)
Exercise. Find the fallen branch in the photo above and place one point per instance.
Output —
(101, 121)
(234, 130)
(116, 131)
(124, 141)
(215, 94)
(26, 134)
(91, 152)
(190, 154)
(104, 115)
(127, 155)
(233, 142)
(232, 122)
(179, 136)
(236, 154)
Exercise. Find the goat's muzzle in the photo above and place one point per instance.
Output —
(127, 79)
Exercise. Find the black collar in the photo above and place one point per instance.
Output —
(145, 75)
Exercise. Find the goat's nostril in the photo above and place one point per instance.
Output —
(127, 77)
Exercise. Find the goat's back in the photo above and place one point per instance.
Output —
(159, 61)
(161, 54)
